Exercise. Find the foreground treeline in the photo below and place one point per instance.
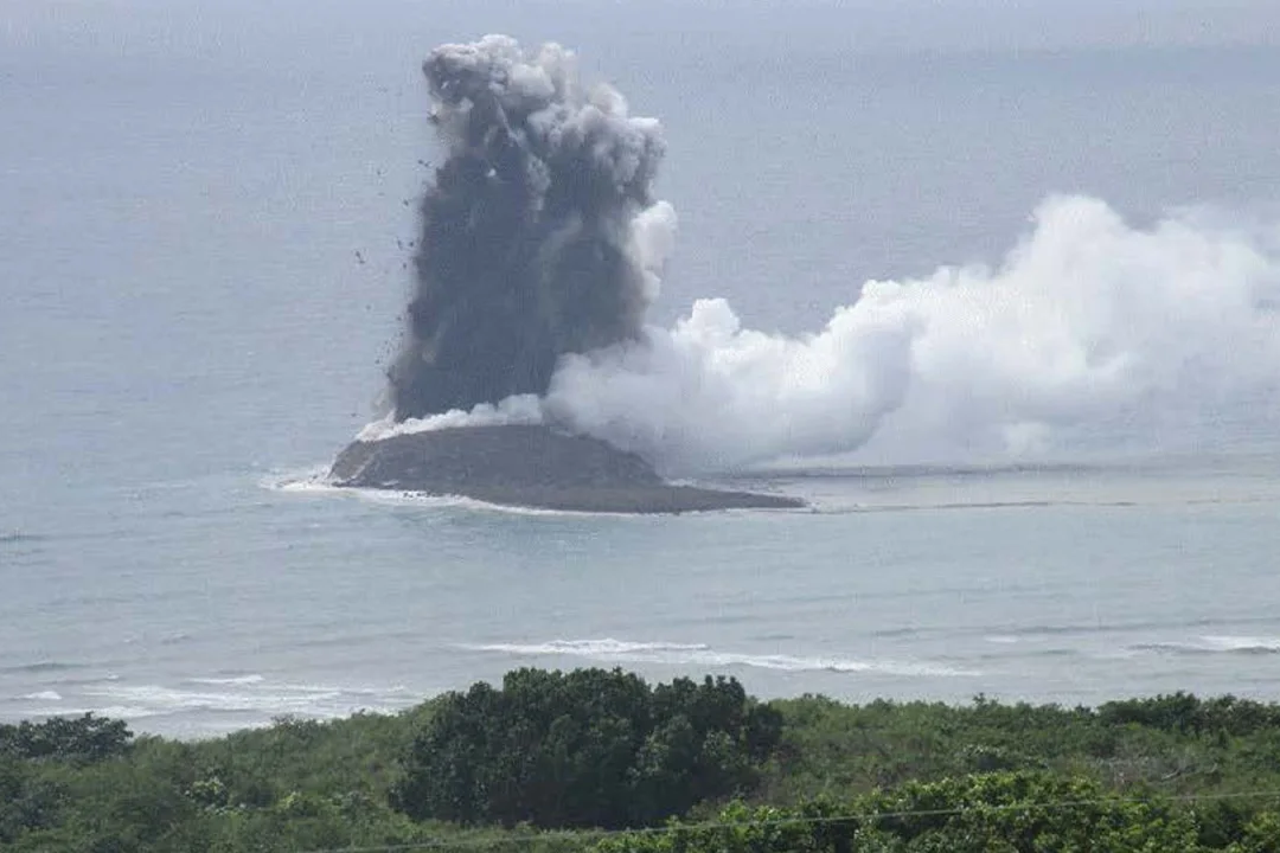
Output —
(602, 761)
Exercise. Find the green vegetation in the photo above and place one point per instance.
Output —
(85, 739)
(587, 749)
(585, 761)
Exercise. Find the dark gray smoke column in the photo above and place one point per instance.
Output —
(524, 253)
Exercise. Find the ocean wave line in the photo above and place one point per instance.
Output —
(699, 654)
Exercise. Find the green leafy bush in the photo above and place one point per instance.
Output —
(1171, 774)
(87, 738)
(587, 748)
(1183, 713)
(1013, 812)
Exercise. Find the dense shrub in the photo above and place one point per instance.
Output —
(1183, 713)
(1011, 812)
(587, 748)
(27, 802)
(86, 738)
(1171, 773)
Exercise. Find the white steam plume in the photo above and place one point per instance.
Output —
(1089, 325)
(1091, 330)
(542, 247)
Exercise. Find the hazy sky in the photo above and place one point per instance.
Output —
(254, 29)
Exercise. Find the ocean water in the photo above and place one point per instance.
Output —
(202, 266)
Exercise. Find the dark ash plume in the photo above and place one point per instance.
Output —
(527, 249)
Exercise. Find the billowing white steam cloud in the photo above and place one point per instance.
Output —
(1089, 327)
(542, 248)
(1088, 324)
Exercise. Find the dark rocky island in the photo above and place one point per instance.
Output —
(530, 466)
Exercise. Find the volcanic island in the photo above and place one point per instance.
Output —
(530, 466)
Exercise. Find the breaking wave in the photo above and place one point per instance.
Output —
(42, 696)
(1214, 645)
(250, 699)
(235, 679)
(150, 700)
(44, 666)
(609, 650)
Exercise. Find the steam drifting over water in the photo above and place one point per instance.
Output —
(1088, 324)
(542, 248)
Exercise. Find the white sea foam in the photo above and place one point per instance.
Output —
(607, 647)
(1235, 644)
(235, 679)
(460, 501)
(401, 497)
(1214, 644)
(43, 696)
(609, 650)
(248, 694)
(314, 479)
(158, 699)
(328, 689)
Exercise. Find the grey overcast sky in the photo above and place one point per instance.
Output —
(229, 27)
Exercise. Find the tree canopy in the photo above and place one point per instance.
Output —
(590, 748)
(84, 738)
(690, 766)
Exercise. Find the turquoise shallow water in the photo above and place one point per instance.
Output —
(188, 333)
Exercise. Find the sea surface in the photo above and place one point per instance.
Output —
(203, 248)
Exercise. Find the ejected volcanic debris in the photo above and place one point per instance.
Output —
(540, 239)
(525, 251)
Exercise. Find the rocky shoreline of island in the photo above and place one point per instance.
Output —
(531, 466)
